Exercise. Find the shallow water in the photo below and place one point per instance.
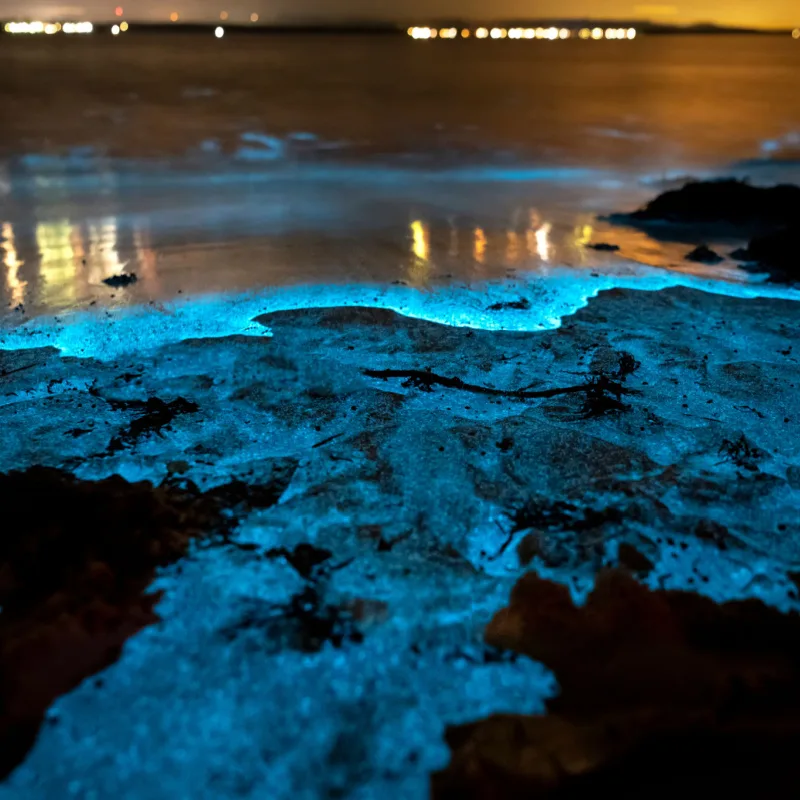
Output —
(254, 162)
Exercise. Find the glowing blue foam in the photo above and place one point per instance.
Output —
(553, 294)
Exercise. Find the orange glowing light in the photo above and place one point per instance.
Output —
(119, 11)
(223, 15)
(174, 16)
(254, 17)
(465, 34)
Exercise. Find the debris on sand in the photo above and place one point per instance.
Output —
(304, 559)
(306, 623)
(601, 392)
(728, 201)
(659, 690)
(603, 247)
(704, 255)
(742, 453)
(523, 304)
(121, 281)
(156, 415)
(73, 573)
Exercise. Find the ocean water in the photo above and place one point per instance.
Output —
(274, 163)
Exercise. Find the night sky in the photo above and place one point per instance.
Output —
(765, 13)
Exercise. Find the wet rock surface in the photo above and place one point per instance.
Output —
(659, 691)
(75, 564)
(769, 217)
(779, 252)
(723, 202)
(704, 255)
(377, 486)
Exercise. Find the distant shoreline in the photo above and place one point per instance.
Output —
(251, 29)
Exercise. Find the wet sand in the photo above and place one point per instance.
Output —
(325, 642)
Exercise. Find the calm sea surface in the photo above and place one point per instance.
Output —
(257, 161)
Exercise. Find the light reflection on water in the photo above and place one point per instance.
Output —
(59, 246)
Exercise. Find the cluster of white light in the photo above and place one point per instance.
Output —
(77, 27)
(219, 32)
(524, 33)
(48, 28)
(116, 30)
(539, 33)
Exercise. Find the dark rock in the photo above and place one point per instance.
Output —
(740, 254)
(704, 255)
(723, 201)
(74, 568)
(603, 247)
(630, 558)
(779, 252)
(659, 691)
(121, 281)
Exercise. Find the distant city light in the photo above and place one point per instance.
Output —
(552, 33)
(78, 27)
(48, 28)
(219, 32)
(174, 16)
(115, 30)
(254, 17)
(119, 11)
(796, 33)
(223, 15)
(123, 26)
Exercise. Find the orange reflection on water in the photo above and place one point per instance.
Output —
(16, 286)
(479, 248)
(419, 270)
(513, 249)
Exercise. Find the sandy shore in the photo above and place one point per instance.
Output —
(387, 481)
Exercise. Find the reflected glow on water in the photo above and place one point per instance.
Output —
(60, 242)
(58, 261)
(479, 248)
(420, 245)
(543, 241)
(16, 286)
